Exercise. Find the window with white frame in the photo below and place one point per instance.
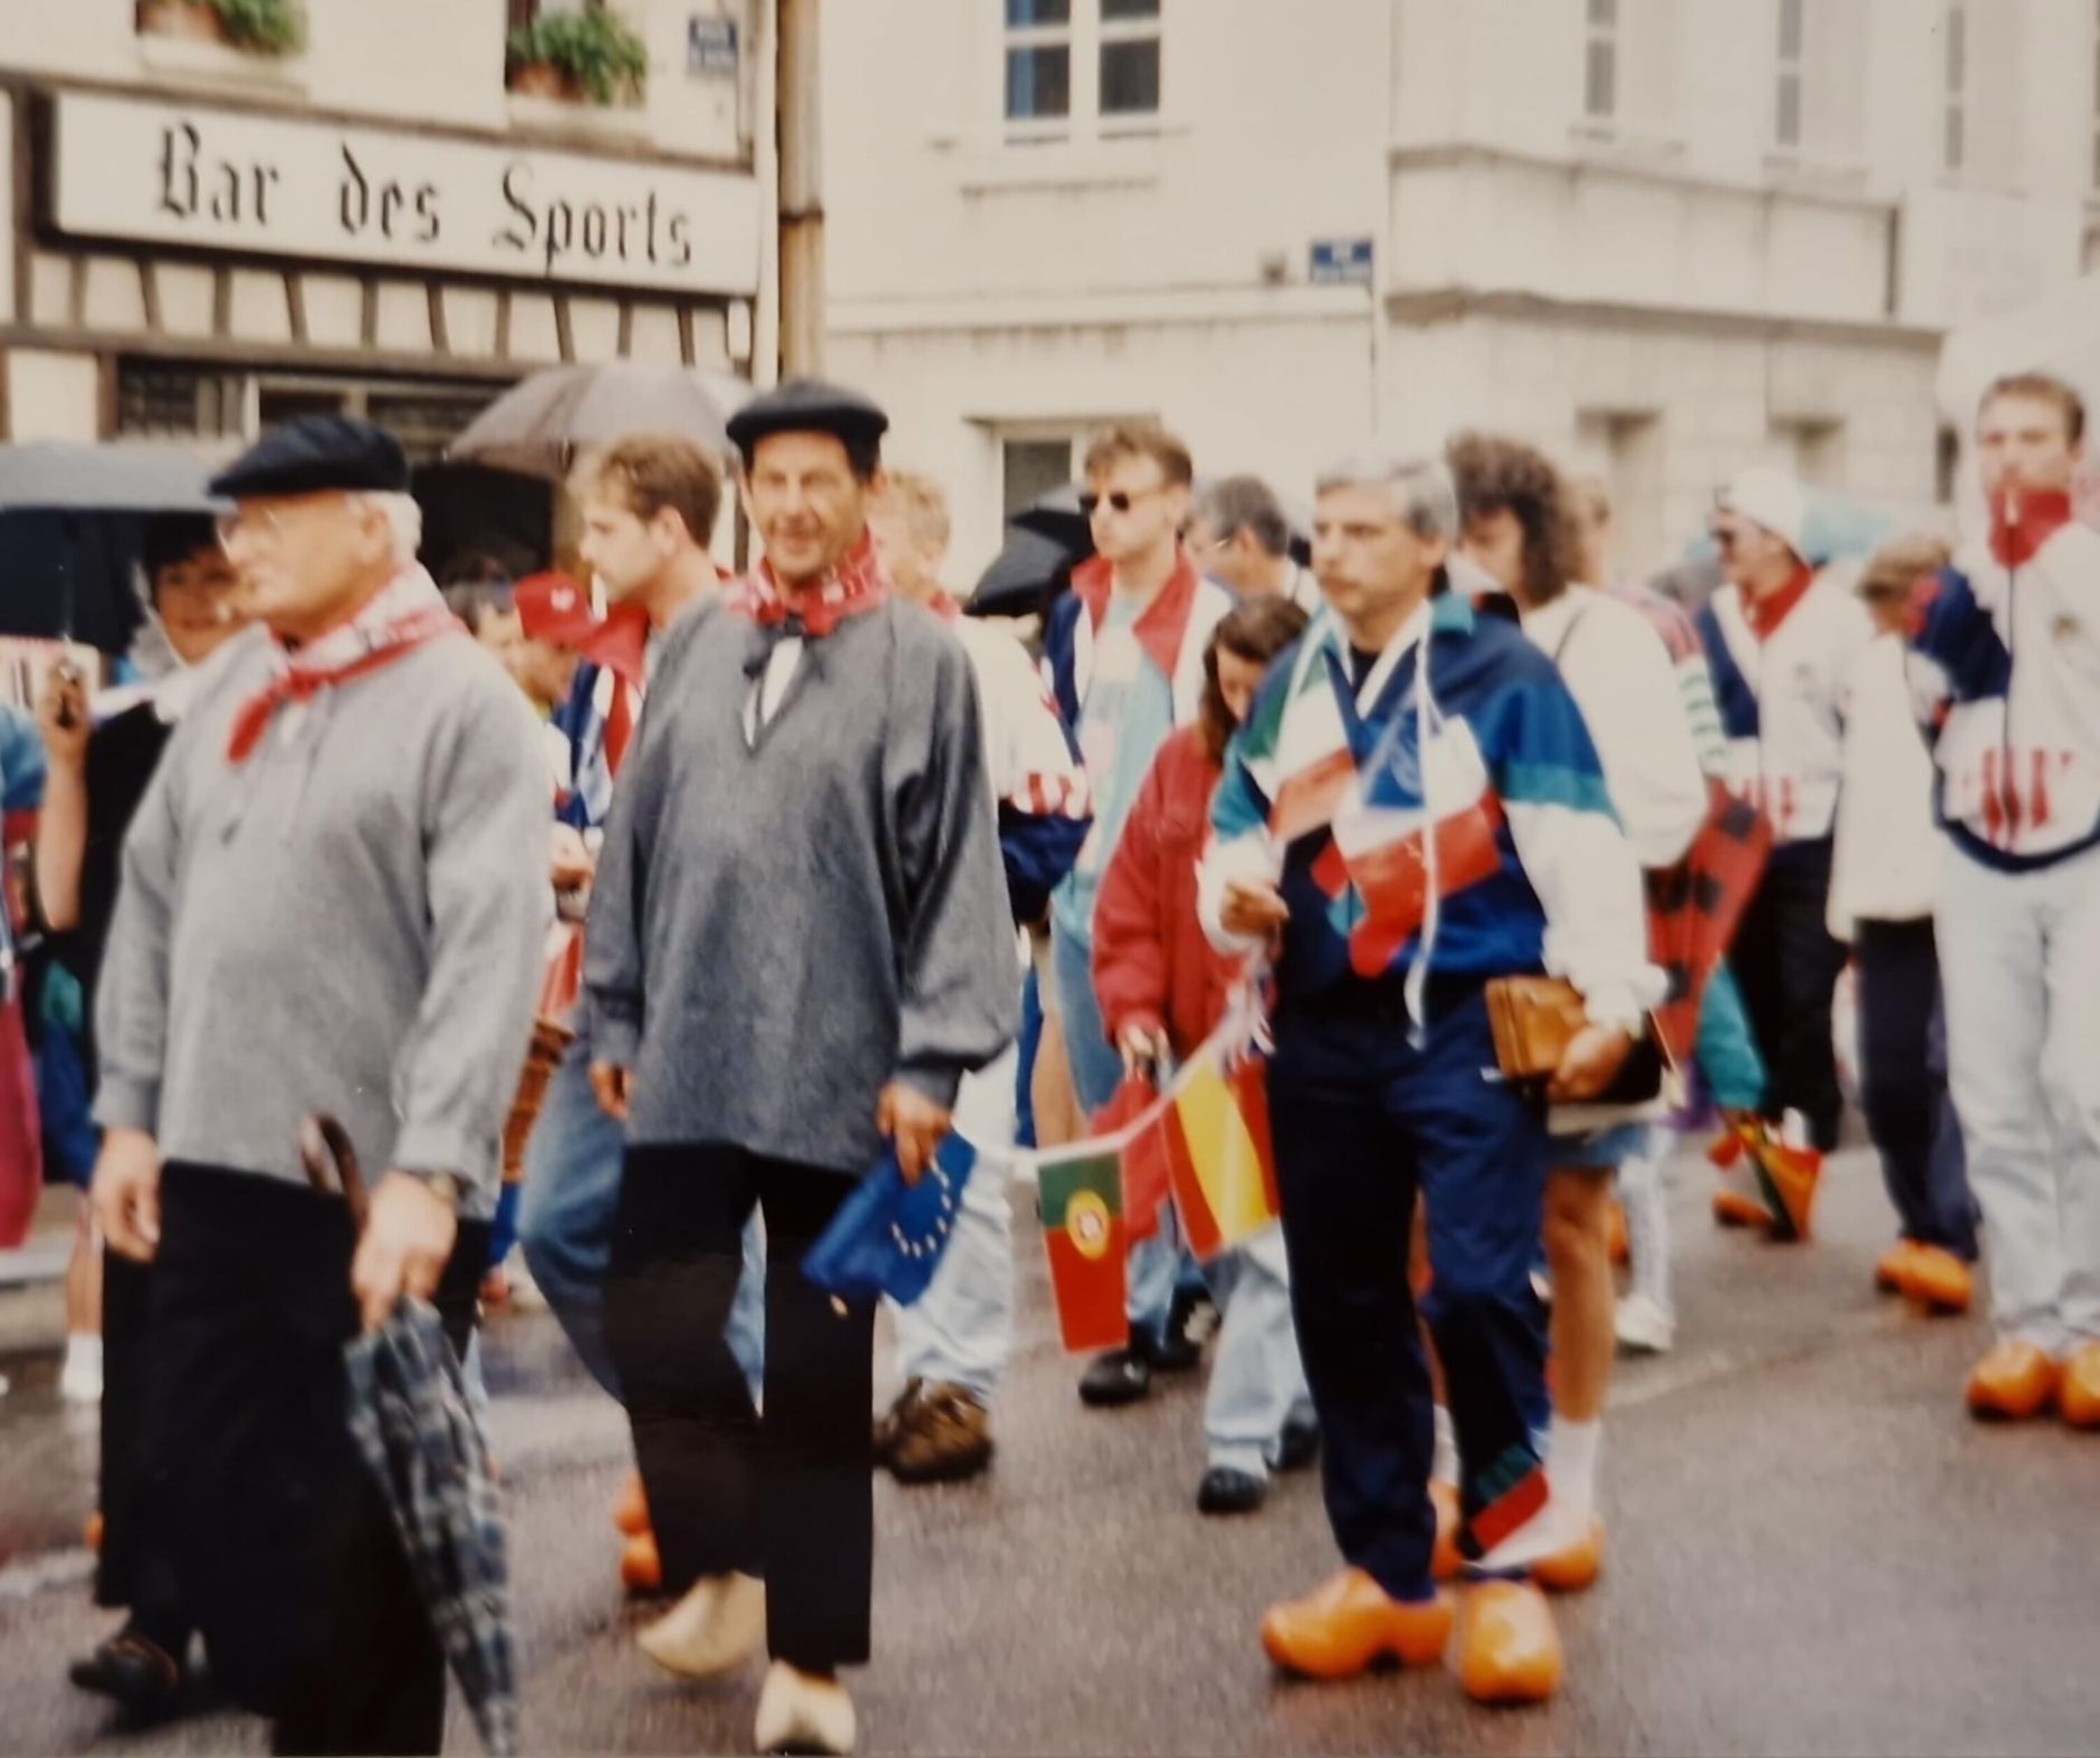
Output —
(1954, 120)
(1818, 91)
(1601, 61)
(1786, 123)
(2095, 98)
(1034, 466)
(1629, 66)
(1078, 69)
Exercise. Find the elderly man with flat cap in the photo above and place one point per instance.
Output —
(798, 945)
(333, 902)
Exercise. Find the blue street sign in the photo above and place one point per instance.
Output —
(711, 47)
(1342, 262)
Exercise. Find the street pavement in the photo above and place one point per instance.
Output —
(1812, 1551)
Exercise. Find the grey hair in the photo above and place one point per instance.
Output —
(1420, 488)
(404, 520)
(1234, 504)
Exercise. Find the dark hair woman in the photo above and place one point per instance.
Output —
(1162, 990)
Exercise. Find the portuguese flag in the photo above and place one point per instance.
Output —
(1220, 1163)
(1081, 1199)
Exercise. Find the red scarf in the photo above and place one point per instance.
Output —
(2020, 525)
(620, 645)
(1765, 614)
(854, 584)
(377, 646)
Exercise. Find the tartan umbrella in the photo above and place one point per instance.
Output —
(411, 1421)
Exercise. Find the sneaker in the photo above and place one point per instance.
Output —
(1225, 1489)
(1644, 1327)
(1121, 1377)
(941, 1435)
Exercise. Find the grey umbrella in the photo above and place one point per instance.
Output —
(537, 427)
(70, 518)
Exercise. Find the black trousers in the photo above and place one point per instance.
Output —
(286, 1555)
(1787, 965)
(135, 1569)
(1903, 1055)
(789, 1497)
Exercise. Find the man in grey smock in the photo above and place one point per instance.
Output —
(799, 943)
(333, 902)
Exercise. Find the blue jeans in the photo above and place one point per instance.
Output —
(1257, 1380)
(572, 1189)
(960, 1330)
(1096, 1065)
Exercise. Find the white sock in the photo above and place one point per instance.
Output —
(1444, 1462)
(85, 1348)
(1571, 1463)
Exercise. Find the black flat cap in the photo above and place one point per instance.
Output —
(313, 454)
(808, 406)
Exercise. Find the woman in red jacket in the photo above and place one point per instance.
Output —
(1161, 991)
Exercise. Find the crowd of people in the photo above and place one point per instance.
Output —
(1512, 875)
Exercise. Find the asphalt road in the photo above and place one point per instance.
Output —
(1812, 1551)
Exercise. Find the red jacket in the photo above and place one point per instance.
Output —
(1152, 965)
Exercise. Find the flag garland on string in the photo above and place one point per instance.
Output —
(1209, 1129)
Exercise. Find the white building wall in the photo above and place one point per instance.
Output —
(1663, 294)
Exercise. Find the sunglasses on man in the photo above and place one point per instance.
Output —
(1116, 500)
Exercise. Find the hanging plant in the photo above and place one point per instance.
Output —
(593, 53)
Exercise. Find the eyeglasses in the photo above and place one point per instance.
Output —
(256, 522)
(1116, 500)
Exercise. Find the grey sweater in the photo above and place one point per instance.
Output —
(352, 922)
(780, 928)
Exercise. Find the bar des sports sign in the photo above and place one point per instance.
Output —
(189, 174)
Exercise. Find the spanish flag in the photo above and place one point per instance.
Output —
(1081, 1200)
(1220, 1163)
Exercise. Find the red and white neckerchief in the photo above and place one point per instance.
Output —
(2021, 524)
(621, 647)
(405, 615)
(1765, 614)
(854, 584)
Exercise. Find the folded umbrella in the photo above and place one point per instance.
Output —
(888, 1238)
(412, 1425)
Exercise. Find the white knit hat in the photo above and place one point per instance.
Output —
(1771, 499)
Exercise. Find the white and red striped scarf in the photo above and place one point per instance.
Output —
(404, 615)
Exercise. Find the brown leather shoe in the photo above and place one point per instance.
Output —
(2014, 1382)
(2078, 1393)
(1938, 1280)
(630, 1507)
(942, 1435)
(1509, 1652)
(1894, 1264)
(1349, 1623)
(1576, 1569)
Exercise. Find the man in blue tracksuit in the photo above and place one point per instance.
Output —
(1415, 807)
(2004, 665)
